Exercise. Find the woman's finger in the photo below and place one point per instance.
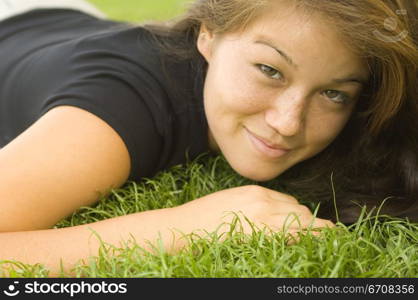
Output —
(301, 221)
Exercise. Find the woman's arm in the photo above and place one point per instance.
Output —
(72, 244)
(263, 207)
(66, 159)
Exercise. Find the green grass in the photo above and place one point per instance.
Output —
(371, 247)
(140, 10)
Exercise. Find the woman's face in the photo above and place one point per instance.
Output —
(289, 80)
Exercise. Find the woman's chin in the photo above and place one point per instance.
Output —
(259, 175)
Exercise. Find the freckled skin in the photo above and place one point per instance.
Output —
(290, 108)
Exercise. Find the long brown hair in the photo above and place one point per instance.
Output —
(375, 156)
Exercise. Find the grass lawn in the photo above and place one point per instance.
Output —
(384, 247)
(140, 10)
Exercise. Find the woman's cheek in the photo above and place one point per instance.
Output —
(321, 132)
(247, 96)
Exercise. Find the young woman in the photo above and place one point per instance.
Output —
(297, 90)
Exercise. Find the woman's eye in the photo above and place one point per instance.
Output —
(270, 72)
(337, 96)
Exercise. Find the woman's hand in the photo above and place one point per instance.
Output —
(263, 207)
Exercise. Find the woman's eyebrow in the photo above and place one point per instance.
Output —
(349, 79)
(282, 53)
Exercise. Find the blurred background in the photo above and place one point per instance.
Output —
(140, 10)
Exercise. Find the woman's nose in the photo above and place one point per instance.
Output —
(287, 114)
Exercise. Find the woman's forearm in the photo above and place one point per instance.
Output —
(262, 206)
(70, 244)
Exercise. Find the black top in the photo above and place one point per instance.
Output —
(52, 57)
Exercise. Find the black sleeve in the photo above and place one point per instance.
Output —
(118, 91)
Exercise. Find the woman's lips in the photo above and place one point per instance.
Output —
(264, 148)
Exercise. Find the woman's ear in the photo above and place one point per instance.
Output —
(205, 42)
